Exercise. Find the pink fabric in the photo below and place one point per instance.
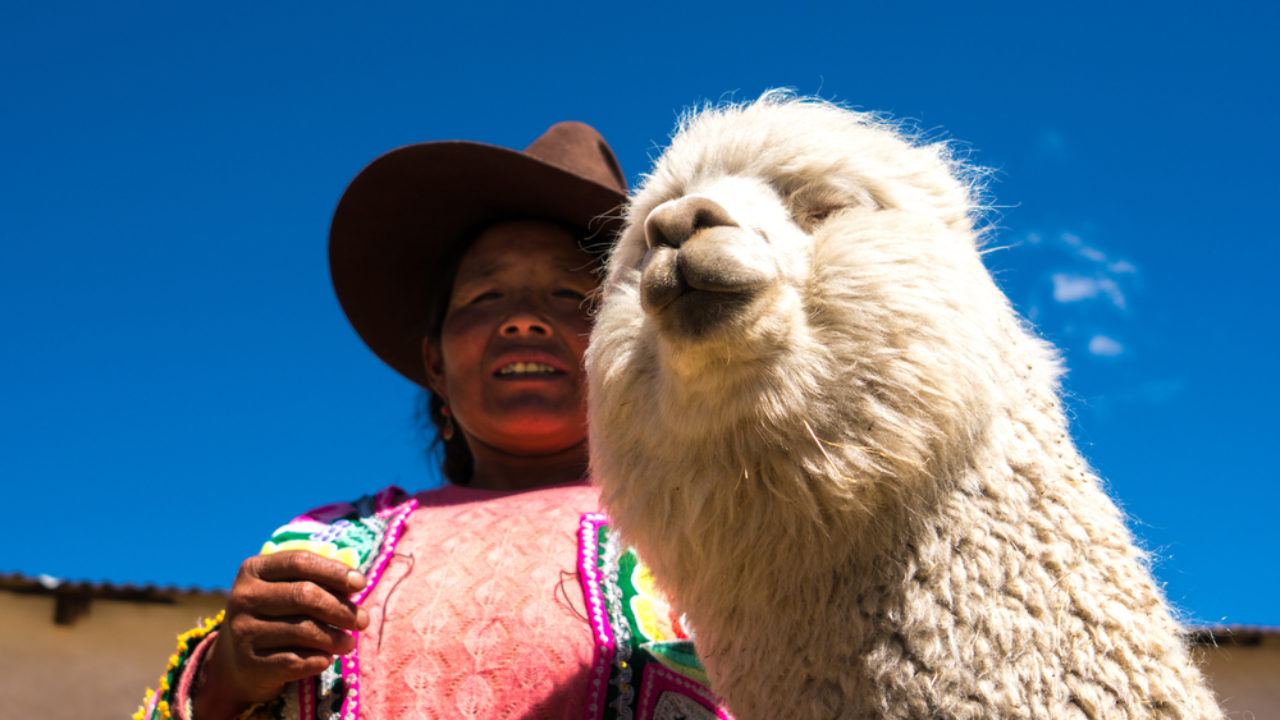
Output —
(479, 612)
(182, 693)
(396, 516)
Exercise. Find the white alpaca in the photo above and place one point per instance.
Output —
(842, 453)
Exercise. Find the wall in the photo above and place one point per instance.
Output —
(96, 668)
(1245, 676)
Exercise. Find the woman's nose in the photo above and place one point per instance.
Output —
(526, 324)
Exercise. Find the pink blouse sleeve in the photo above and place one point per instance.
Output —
(182, 694)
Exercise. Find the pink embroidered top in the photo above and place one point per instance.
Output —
(482, 604)
(479, 612)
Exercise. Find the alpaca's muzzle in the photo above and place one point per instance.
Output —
(700, 256)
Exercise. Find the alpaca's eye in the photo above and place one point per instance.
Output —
(818, 215)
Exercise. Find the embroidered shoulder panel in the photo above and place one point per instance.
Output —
(362, 535)
(646, 667)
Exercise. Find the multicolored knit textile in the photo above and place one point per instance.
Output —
(646, 667)
(475, 613)
(361, 534)
(157, 704)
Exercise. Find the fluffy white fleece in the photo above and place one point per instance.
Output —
(842, 452)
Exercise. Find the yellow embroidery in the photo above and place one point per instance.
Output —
(348, 556)
(185, 641)
(653, 613)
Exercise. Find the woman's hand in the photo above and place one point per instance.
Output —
(287, 617)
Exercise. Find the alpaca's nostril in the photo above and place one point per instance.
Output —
(675, 221)
(654, 237)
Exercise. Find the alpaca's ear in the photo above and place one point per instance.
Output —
(433, 361)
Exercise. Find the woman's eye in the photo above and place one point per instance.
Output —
(571, 294)
(491, 295)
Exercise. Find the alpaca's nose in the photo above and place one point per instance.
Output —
(675, 221)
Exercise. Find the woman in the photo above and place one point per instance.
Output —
(464, 267)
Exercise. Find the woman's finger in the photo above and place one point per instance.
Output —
(264, 636)
(290, 599)
(291, 664)
(297, 565)
(265, 672)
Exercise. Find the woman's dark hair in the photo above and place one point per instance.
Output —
(456, 462)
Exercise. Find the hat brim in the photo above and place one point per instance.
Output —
(399, 218)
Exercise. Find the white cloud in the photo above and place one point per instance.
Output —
(1112, 291)
(1092, 253)
(1089, 293)
(1068, 288)
(1071, 288)
(1105, 346)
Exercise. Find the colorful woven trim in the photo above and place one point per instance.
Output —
(646, 667)
(363, 535)
(156, 704)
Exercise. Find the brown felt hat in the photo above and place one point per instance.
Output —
(401, 217)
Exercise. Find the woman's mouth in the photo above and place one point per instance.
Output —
(526, 369)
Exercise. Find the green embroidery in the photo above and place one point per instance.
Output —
(643, 632)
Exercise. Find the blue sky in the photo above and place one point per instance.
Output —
(179, 380)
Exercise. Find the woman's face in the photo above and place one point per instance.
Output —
(509, 359)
